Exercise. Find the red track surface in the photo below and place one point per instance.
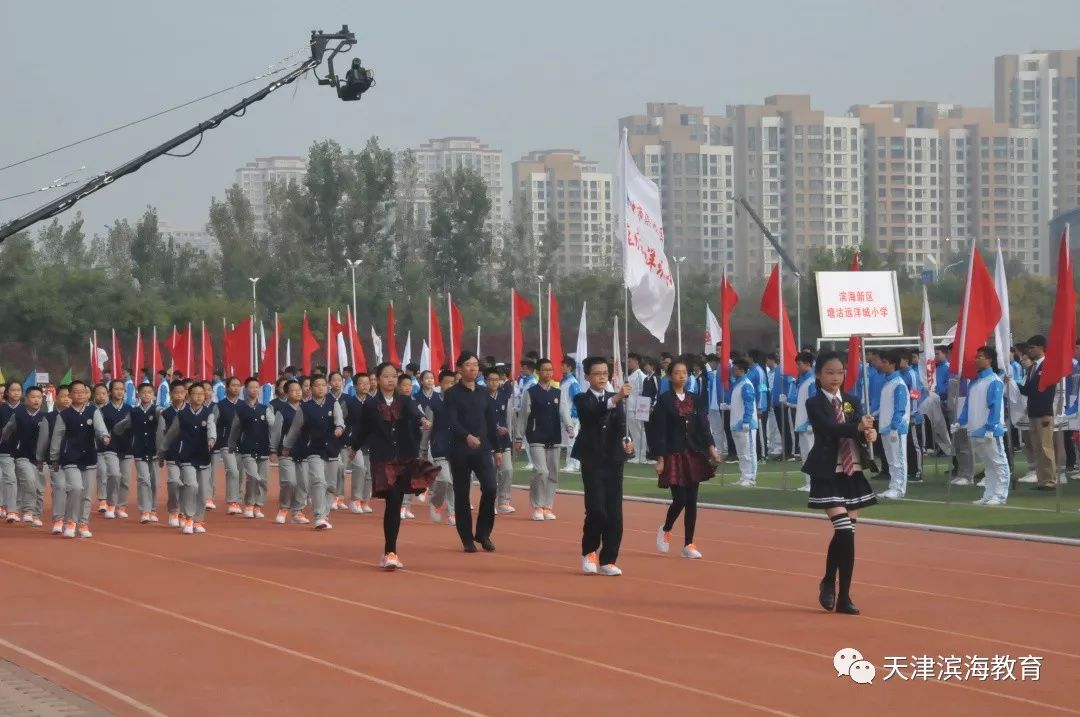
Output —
(260, 618)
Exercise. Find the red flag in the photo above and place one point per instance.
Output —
(728, 300)
(181, 352)
(773, 307)
(334, 327)
(854, 344)
(435, 340)
(155, 359)
(457, 330)
(170, 346)
(117, 358)
(268, 369)
(238, 350)
(206, 369)
(391, 341)
(980, 312)
(308, 346)
(137, 366)
(95, 367)
(355, 347)
(1061, 342)
(520, 309)
(554, 340)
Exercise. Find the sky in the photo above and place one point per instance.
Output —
(520, 76)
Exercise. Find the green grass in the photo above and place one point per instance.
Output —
(930, 502)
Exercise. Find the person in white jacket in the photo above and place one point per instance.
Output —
(983, 417)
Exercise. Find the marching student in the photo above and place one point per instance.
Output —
(142, 424)
(894, 418)
(226, 412)
(12, 399)
(435, 444)
(500, 404)
(361, 467)
(634, 365)
(56, 480)
(390, 426)
(837, 484)
(650, 389)
(405, 384)
(603, 450)
(744, 421)
(540, 426)
(194, 433)
(117, 455)
(100, 397)
(249, 437)
(170, 460)
(163, 389)
(984, 419)
(28, 434)
(681, 444)
(315, 431)
(130, 394)
(73, 455)
(525, 381)
(336, 482)
(568, 389)
(290, 487)
(474, 436)
(805, 388)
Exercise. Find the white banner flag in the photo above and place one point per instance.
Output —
(342, 350)
(712, 331)
(581, 352)
(1003, 330)
(406, 355)
(640, 232)
(288, 352)
(377, 344)
(425, 357)
(616, 371)
(926, 343)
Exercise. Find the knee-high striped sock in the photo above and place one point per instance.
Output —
(842, 525)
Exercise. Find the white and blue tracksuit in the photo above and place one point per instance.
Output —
(804, 388)
(163, 395)
(744, 426)
(983, 416)
(894, 419)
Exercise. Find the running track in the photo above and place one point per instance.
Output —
(280, 620)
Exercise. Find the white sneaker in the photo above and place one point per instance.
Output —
(259, 515)
(407, 514)
(803, 488)
(663, 540)
(960, 481)
(529, 466)
(174, 522)
(69, 532)
(323, 524)
(588, 564)
(249, 512)
(188, 529)
(435, 513)
(154, 518)
(422, 497)
(994, 501)
(121, 512)
(368, 508)
(110, 514)
(980, 483)
(28, 518)
(505, 509)
(452, 520)
(280, 518)
(980, 501)
(390, 561)
(691, 551)
(538, 514)
(891, 494)
(356, 508)
(1030, 477)
(549, 514)
(611, 570)
(746, 484)
(200, 529)
(84, 532)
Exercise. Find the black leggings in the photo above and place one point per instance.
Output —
(391, 521)
(683, 496)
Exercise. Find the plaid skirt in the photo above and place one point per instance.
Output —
(685, 468)
(841, 491)
(420, 474)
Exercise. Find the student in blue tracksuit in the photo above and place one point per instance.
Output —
(569, 388)
(910, 373)
(760, 381)
(983, 417)
(163, 389)
(894, 420)
(219, 387)
(804, 388)
(130, 394)
(780, 388)
(744, 421)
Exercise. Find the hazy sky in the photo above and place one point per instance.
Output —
(521, 76)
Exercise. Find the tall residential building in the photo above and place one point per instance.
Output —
(256, 178)
(1038, 91)
(198, 238)
(801, 170)
(688, 154)
(439, 156)
(561, 185)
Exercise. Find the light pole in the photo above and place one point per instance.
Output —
(678, 297)
(254, 312)
(353, 266)
(540, 309)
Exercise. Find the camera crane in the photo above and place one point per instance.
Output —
(357, 81)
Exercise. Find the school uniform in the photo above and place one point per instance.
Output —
(28, 431)
(568, 389)
(915, 388)
(637, 427)
(984, 419)
(73, 447)
(805, 388)
(540, 427)
(192, 433)
(435, 446)
(835, 463)
(337, 481)
(289, 478)
(744, 428)
(714, 399)
(249, 438)
(650, 389)
(312, 434)
(173, 482)
(143, 422)
(117, 457)
(9, 482)
(600, 450)
(226, 412)
(524, 383)
(219, 389)
(470, 412)
(360, 488)
(504, 473)
(894, 419)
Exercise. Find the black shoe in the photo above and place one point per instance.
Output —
(846, 607)
(915, 478)
(1044, 487)
(881, 476)
(827, 594)
(486, 544)
(470, 547)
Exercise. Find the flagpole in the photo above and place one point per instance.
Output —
(277, 360)
(153, 368)
(626, 333)
(478, 340)
(781, 315)
(540, 310)
(513, 358)
(450, 325)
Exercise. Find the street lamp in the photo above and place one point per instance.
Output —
(353, 266)
(678, 297)
(540, 309)
(254, 312)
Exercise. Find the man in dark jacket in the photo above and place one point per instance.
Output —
(1040, 408)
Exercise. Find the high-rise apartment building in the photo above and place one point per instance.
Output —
(441, 156)
(256, 178)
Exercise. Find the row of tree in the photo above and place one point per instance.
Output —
(60, 284)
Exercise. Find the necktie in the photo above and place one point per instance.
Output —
(847, 446)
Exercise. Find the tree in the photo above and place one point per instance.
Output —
(460, 240)
(549, 249)
(243, 253)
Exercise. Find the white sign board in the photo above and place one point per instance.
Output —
(858, 303)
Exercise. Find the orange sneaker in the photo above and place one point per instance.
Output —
(234, 509)
(144, 518)
(663, 540)
(589, 564)
(84, 531)
(210, 504)
(57, 527)
(174, 520)
(200, 527)
(282, 516)
(102, 506)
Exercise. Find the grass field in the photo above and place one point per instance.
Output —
(929, 502)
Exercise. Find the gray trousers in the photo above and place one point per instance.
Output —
(256, 473)
(361, 477)
(97, 476)
(101, 479)
(442, 491)
(545, 480)
(69, 486)
(965, 461)
(194, 488)
(10, 484)
(145, 485)
(117, 478)
(637, 435)
(286, 483)
(504, 478)
(232, 476)
(339, 475)
(301, 497)
(172, 487)
(31, 483)
(322, 495)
